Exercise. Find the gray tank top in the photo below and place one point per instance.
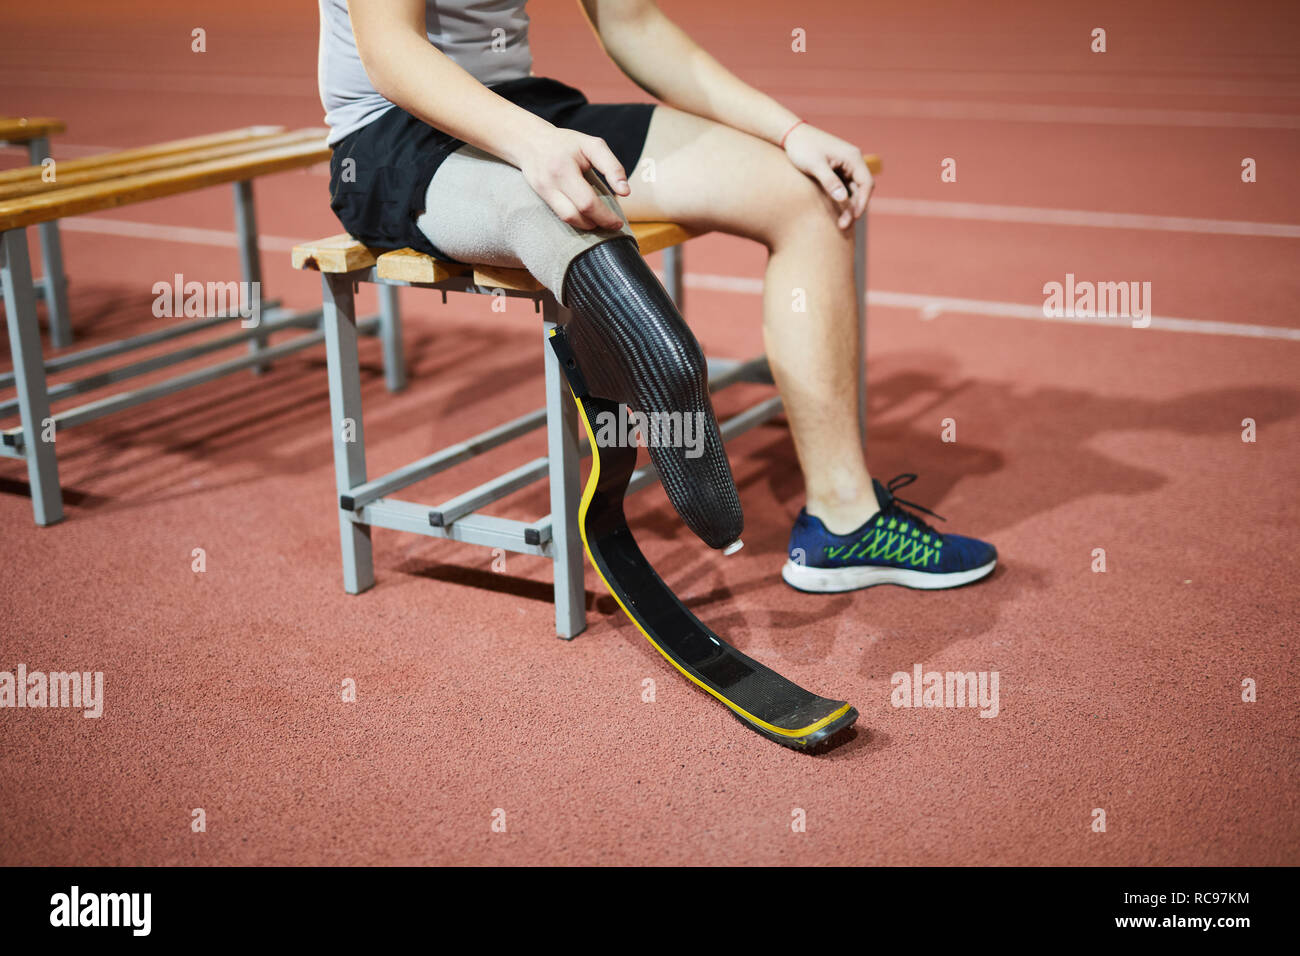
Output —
(488, 38)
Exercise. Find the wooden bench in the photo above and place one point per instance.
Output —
(342, 253)
(105, 182)
(27, 180)
(19, 129)
(365, 502)
(34, 133)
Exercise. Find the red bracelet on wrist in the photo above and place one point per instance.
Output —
(789, 131)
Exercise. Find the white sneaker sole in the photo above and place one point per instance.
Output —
(832, 580)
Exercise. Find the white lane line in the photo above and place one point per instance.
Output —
(988, 212)
(1195, 82)
(187, 234)
(929, 306)
(932, 306)
(1034, 113)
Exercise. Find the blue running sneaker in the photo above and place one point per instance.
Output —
(893, 547)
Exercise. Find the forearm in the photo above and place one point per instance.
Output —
(406, 68)
(412, 73)
(662, 59)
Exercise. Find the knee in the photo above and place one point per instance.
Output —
(799, 211)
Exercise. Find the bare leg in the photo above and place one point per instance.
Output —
(709, 176)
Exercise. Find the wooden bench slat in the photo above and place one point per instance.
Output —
(22, 129)
(498, 277)
(339, 253)
(654, 236)
(342, 253)
(408, 265)
(102, 172)
(650, 237)
(78, 200)
(247, 134)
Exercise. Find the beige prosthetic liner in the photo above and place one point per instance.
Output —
(481, 210)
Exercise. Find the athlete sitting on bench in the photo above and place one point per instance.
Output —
(445, 142)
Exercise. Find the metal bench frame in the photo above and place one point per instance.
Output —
(366, 502)
(30, 370)
(52, 286)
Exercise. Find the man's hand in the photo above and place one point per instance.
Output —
(554, 164)
(832, 162)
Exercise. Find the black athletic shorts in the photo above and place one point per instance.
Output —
(396, 156)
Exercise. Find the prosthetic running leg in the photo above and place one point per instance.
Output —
(628, 348)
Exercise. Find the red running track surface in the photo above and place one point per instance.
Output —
(1120, 691)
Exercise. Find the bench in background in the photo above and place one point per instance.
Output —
(116, 179)
(34, 133)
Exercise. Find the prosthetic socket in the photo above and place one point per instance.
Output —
(632, 347)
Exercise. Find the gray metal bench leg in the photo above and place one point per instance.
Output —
(250, 258)
(390, 334)
(54, 282)
(340, 321)
(29, 376)
(565, 479)
(860, 285)
(673, 281)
